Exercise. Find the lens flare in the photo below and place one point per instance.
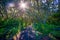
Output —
(23, 5)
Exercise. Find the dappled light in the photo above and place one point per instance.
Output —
(30, 20)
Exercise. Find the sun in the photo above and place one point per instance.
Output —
(23, 5)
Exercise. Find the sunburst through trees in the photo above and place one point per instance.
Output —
(30, 19)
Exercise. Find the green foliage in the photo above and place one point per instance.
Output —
(37, 13)
(8, 28)
(46, 29)
(54, 19)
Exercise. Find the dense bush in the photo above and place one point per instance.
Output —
(54, 19)
(47, 29)
(8, 28)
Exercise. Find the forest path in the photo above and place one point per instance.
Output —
(30, 34)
